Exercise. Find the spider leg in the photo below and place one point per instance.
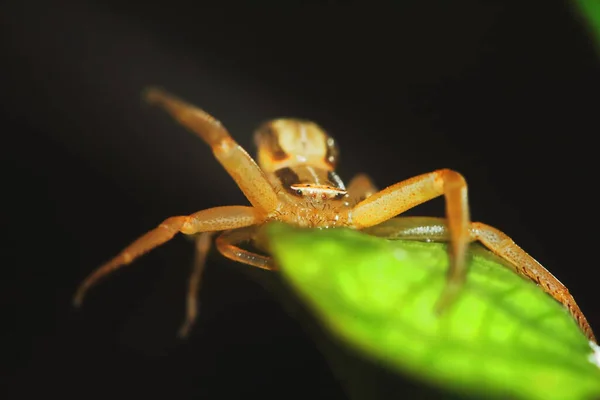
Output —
(236, 161)
(407, 194)
(506, 248)
(212, 219)
(436, 229)
(203, 242)
(227, 244)
(431, 229)
(359, 188)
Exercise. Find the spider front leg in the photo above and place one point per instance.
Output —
(436, 229)
(212, 219)
(236, 161)
(407, 194)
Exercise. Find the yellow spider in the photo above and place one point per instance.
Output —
(295, 182)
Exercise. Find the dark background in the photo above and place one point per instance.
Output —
(505, 93)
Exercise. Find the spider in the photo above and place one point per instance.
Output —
(295, 182)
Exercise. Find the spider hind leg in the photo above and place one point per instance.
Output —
(436, 229)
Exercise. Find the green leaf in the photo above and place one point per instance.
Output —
(503, 337)
(590, 10)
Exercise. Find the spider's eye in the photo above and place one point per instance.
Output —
(299, 192)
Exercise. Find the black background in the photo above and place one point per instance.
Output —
(506, 93)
